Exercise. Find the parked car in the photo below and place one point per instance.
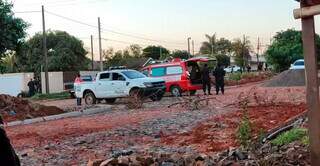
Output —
(177, 75)
(113, 84)
(298, 64)
(231, 69)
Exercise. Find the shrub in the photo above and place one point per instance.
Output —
(235, 76)
(244, 132)
(290, 136)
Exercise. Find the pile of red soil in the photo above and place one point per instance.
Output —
(219, 133)
(13, 108)
(249, 79)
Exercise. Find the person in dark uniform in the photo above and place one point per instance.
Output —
(219, 74)
(206, 83)
(32, 88)
(7, 154)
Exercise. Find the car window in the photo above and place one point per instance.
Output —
(145, 72)
(105, 76)
(299, 63)
(174, 70)
(158, 72)
(133, 74)
(117, 77)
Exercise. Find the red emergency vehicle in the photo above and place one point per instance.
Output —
(180, 75)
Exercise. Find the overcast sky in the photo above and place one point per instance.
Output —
(162, 22)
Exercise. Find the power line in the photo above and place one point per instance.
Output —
(112, 31)
(35, 11)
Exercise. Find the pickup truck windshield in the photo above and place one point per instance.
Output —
(133, 74)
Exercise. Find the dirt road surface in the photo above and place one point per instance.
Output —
(73, 141)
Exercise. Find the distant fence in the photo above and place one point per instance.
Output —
(62, 81)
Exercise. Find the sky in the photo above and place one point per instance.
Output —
(161, 22)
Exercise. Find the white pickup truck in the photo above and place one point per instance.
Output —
(113, 84)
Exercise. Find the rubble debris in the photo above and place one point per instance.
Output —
(287, 78)
(13, 108)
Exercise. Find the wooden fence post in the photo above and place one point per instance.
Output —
(312, 83)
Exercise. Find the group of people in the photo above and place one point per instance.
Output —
(34, 86)
(218, 73)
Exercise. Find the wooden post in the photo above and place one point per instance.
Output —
(313, 103)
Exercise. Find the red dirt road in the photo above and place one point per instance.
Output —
(216, 129)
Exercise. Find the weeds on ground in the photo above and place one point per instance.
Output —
(291, 136)
(235, 76)
(57, 96)
(244, 132)
(305, 140)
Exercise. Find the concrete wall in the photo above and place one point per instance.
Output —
(13, 84)
(55, 82)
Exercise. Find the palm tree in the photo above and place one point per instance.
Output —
(8, 63)
(241, 50)
(210, 46)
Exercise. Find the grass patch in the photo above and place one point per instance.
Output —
(57, 96)
(235, 76)
(291, 136)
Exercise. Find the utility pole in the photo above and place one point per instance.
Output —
(258, 50)
(160, 51)
(100, 47)
(92, 61)
(193, 47)
(243, 51)
(189, 38)
(45, 51)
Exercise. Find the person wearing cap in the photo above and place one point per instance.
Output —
(8, 156)
(77, 81)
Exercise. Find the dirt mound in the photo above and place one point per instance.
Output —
(287, 78)
(12, 109)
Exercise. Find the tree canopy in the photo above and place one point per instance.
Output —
(214, 46)
(12, 31)
(130, 57)
(286, 48)
(241, 50)
(65, 53)
(155, 52)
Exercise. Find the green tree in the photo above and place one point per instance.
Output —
(65, 53)
(135, 50)
(12, 31)
(180, 54)
(224, 46)
(8, 63)
(223, 60)
(155, 52)
(241, 50)
(286, 48)
(209, 46)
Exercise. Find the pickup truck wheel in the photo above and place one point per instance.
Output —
(176, 91)
(90, 99)
(111, 101)
(135, 93)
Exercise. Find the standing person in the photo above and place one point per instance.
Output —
(31, 87)
(77, 81)
(7, 154)
(206, 83)
(219, 74)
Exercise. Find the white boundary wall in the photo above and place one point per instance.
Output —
(15, 83)
(55, 82)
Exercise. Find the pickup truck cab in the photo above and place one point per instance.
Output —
(113, 84)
